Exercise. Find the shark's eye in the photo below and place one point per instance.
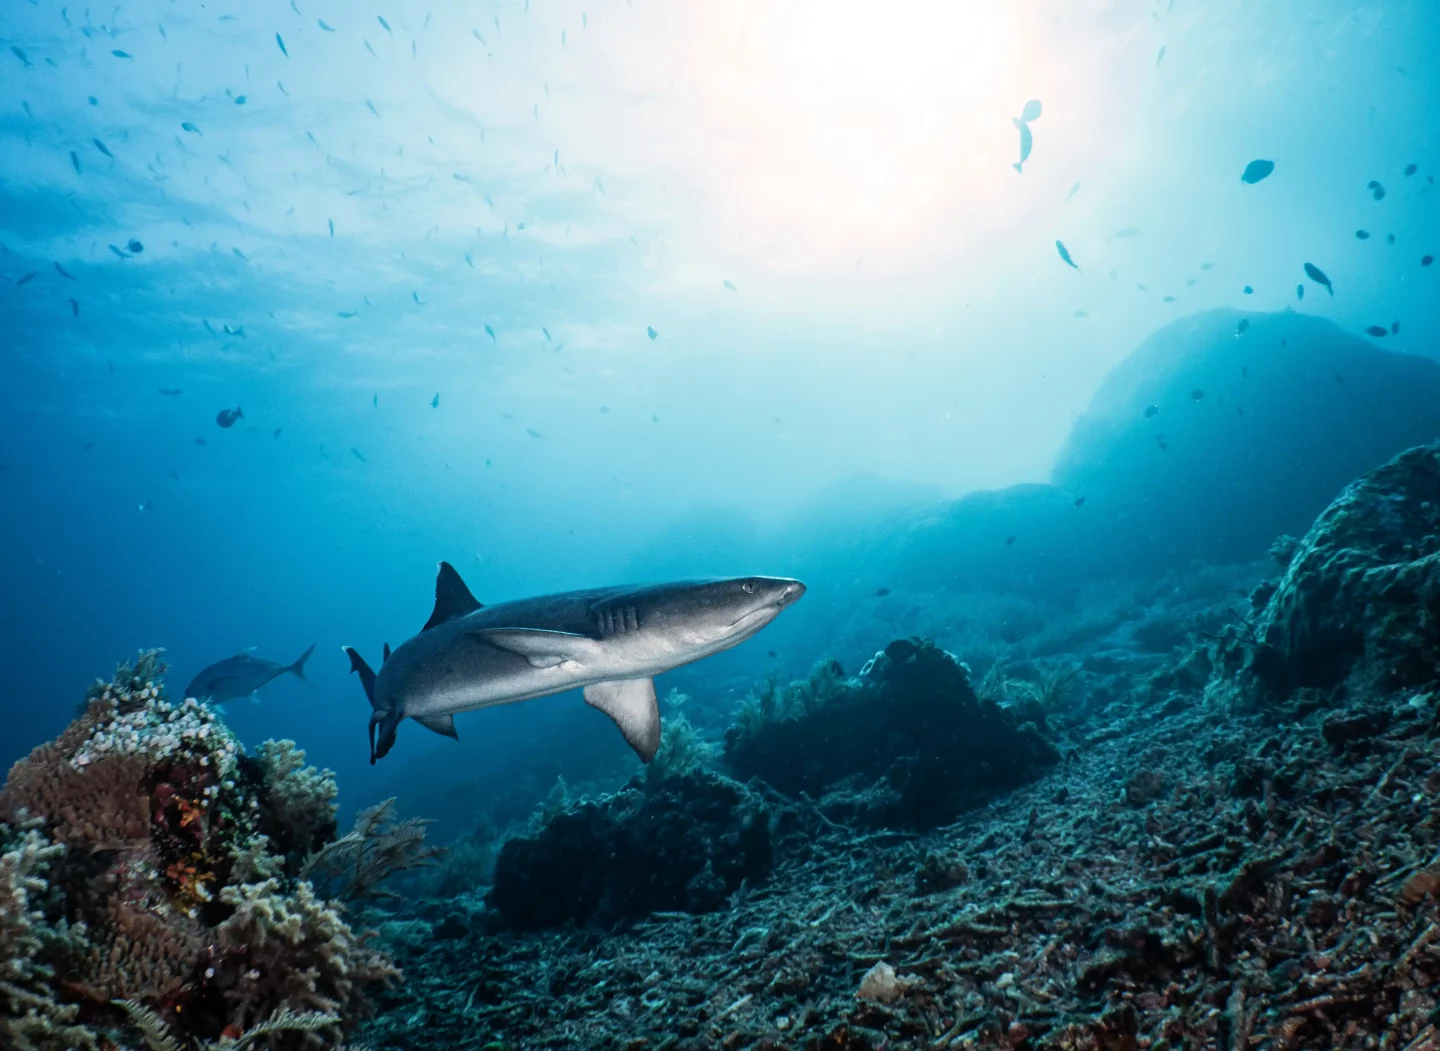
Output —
(749, 587)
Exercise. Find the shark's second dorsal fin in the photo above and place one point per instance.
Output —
(452, 597)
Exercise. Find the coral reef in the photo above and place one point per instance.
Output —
(300, 801)
(907, 743)
(148, 859)
(683, 843)
(1356, 614)
(30, 1017)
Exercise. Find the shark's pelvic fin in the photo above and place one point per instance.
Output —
(385, 653)
(631, 703)
(543, 649)
(441, 724)
(452, 597)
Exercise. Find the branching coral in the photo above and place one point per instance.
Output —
(160, 1038)
(30, 1017)
(1052, 691)
(377, 848)
(801, 698)
(293, 950)
(302, 799)
(682, 751)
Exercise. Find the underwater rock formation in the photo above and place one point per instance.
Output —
(1213, 437)
(684, 843)
(148, 859)
(1357, 612)
(907, 743)
(1206, 442)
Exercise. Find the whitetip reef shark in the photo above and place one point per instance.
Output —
(610, 641)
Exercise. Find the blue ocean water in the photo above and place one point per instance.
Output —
(570, 295)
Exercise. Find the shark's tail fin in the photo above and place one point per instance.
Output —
(298, 668)
(383, 719)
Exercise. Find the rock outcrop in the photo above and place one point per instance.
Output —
(683, 844)
(907, 743)
(1356, 613)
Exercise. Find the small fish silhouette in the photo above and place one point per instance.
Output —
(1314, 273)
(1257, 171)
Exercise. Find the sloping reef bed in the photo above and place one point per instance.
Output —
(1232, 852)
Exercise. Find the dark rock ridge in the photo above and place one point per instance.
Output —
(1262, 428)
(1249, 434)
(685, 844)
(1357, 611)
(906, 744)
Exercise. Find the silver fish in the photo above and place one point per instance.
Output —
(241, 676)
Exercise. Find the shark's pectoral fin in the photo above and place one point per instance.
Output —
(631, 703)
(543, 649)
(441, 724)
(452, 597)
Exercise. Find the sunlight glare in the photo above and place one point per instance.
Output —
(833, 129)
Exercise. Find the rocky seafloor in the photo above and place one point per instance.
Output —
(1207, 823)
(1198, 817)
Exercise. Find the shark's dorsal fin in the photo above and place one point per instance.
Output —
(631, 703)
(452, 597)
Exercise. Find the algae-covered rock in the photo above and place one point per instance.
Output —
(907, 743)
(1358, 608)
(683, 844)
